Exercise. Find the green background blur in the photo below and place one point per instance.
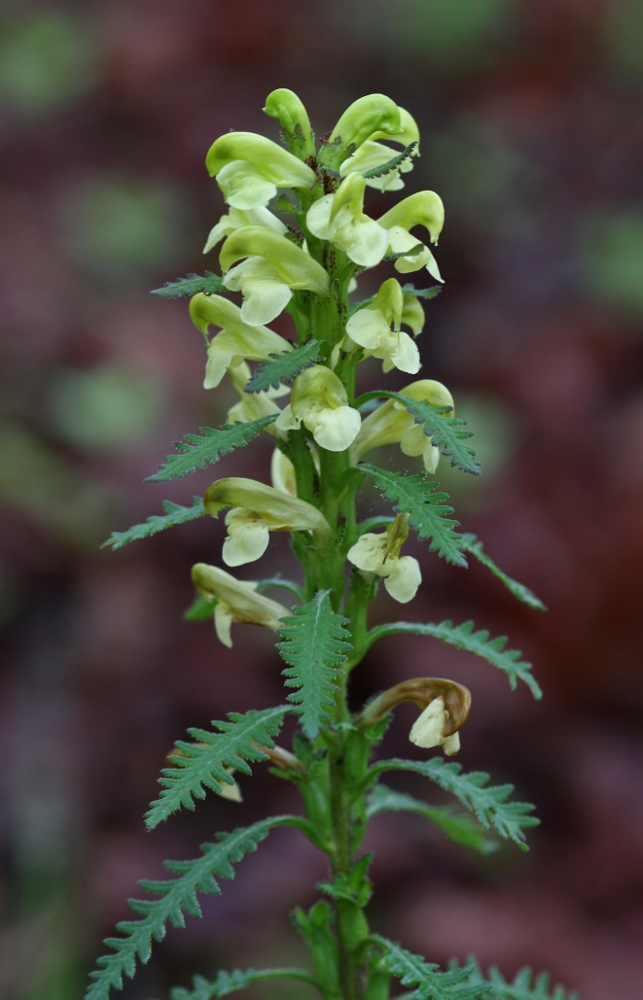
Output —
(532, 132)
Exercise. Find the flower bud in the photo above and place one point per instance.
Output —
(367, 115)
(286, 107)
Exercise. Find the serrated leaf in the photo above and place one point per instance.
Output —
(196, 451)
(314, 643)
(207, 762)
(422, 293)
(176, 897)
(395, 161)
(284, 367)
(488, 802)
(419, 293)
(446, 433)
(525, 985)
(425, 978)
(458, 827)
(174, 515)
(427, 510)
(473, 545)
(211, 284)
(463, 637)
(232, 982)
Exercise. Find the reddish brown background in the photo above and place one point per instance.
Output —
(531, 122)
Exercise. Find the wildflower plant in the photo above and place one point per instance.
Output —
(295, 238)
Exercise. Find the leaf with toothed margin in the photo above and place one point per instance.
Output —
(471, 543)
(284, 367)
(176, 897)
(211, 284)
(197, 451)
(395, 161)
(175, 514)
(427, 510)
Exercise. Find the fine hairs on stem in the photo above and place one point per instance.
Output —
(296, 238)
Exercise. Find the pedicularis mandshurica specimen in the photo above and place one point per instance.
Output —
(295, 238)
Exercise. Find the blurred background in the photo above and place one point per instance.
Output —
(530, 115)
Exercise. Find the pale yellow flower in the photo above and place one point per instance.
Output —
(237, 601)
(380, 554)
(319, 401)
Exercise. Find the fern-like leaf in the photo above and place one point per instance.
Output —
(174, 514)
(177, 896)
(525, 985)
(458, 827)
(446, 433)
(425, 979)
(314, 643)
(428, 512)
(284, 367)
(489, 803)
(197, 451)
(473, 545)
(232, 982)
(211, 284)
(422, 293)
(395, 161)
(206, 763)
(463, 637)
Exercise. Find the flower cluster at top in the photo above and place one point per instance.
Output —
(294, 238)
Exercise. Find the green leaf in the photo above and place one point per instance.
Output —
(206, 763)
(198, 450)
(177, 896)
(473, 545)
(419, 293)
(422, 293)
(314, 643)
(525, 986)
(427, 981)
(201, 609)
(284, 367)
(428, 512)
(211, 284)
(489, 803)
(231, 982)
(463, 637)
(458, 827)
(446, 433)
(395, 161)
(174, 514)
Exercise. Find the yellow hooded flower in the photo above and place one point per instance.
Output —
(272, 268)
(370, 327)
(256, 510)
(237, 219)
(424, 208)
(237, 601)
(380, 554)
(390, 423)
(237, 339)
(372, 154)
(319, 401)
(250, 168)
(340, 218)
